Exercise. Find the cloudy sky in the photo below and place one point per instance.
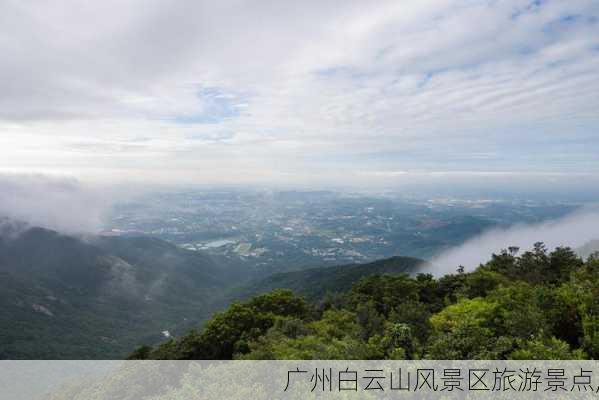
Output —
(303, 91)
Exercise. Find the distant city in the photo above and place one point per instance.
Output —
(291, 229)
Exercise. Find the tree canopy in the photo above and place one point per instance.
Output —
(536, 305)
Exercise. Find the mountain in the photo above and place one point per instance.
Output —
(539, 305)
(97, 297)
(315, 283)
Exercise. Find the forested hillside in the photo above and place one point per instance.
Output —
(65, 297)
(534, 305)
(314, 283)
(68, 297)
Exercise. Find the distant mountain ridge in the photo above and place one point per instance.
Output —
(315, 283)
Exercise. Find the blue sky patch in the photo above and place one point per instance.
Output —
(216, 106)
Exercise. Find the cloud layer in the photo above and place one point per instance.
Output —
(63, 204)
(236, 91)
(573, 231)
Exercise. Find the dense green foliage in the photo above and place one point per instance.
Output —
(537, 305)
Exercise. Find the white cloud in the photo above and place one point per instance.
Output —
(53, 202)
(573, 231)
(382, 87)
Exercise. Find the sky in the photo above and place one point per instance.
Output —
(312, 92)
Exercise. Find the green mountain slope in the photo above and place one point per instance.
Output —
(315, 283)
(67, 297)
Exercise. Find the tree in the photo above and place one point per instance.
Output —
(545, 348)
(513, 250)
(384, 291)
(481, 282)
(369, 319)
(141, 353)
(397, 342)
